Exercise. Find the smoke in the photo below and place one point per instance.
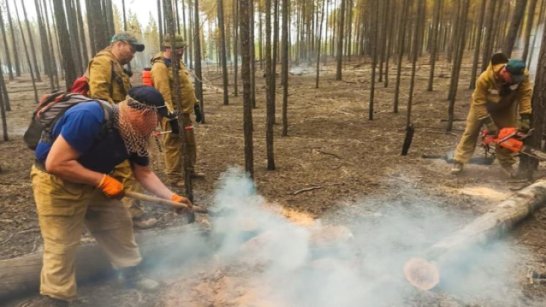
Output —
(273, 261)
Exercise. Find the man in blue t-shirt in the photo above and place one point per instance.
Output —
(72, 187)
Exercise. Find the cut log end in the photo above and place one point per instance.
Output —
(421, 273)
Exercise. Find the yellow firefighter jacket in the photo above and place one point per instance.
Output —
(487, 95)
(107, 80)
(163, 81)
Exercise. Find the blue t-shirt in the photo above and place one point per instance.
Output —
(82, 127)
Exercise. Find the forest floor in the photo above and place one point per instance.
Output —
(335, 168)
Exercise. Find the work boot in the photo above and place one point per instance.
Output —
(44, 301)
(132, 278)
(508, 170)
(456, 168)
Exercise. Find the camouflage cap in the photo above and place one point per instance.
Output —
(128, 37)
(178, 42)
(516, 68)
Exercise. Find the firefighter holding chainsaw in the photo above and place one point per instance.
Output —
(503, 91)
(73, 187)
(161, 77)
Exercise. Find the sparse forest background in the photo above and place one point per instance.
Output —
(55, 39)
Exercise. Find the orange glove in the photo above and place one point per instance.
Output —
(181, 199)
(110, 186)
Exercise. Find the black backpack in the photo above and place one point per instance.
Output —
(50, 108)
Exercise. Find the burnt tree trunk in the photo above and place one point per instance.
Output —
(339, 52)
(32, 76)
(6, 46)
(528, 28)
(270, 87)
(285, 56)
(64, 38)
(401, 40)
(475, 60)
(375, 24)
(221, 29)
(13, 44)
(515, 24)
(434, 41)
(244, 20)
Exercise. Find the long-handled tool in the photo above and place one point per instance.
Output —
(154, 199)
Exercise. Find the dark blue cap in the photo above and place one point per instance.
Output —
(516, 68)
(148, 95)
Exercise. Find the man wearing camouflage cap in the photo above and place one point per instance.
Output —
(110, 82)
(163, 81)
(502, 92)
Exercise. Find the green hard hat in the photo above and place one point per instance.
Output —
(178, 42)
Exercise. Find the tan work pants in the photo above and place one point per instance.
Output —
(63, 208)
(174, 155)
(124, 173)
(467, 144)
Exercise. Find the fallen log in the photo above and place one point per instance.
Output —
(423, 273)
(21, 275)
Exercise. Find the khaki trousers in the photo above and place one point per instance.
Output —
(63, 208)
(173, 151)
(467, 144)
(124, 173)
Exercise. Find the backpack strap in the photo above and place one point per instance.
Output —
(108, 113)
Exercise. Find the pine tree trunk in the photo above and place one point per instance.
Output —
(64, 39)
(252, 56)
(457, 61)
(415, 53)
(6, 47)
(75, 37)
(270, 104)
(177, 97)
(528, 165)
(434, 41)
(32, 76)
(235, 47)
(515, 24)
(4, 102)
(285, 56)
(376, 9)
(35, 68)
(244, 20)
(475, 60)
(13, 43)
(401, 40)
(540, 15)
(528, 28)
(53, 61)
(489, 32)
(197, 58)
(339, 52)
(318, 44)
(220, 6)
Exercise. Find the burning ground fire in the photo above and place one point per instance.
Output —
(262, 255)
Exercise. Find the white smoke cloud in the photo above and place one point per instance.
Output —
(280, 263)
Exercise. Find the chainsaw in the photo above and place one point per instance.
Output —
(510, 138)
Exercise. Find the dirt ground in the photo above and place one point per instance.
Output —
(332, 158)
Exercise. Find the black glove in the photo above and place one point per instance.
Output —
(173, 122)
(525, 122)
(198, 114)
(492, 128)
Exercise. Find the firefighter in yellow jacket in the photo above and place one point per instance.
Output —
(110, 82)
(502, 92)
(163, 81)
